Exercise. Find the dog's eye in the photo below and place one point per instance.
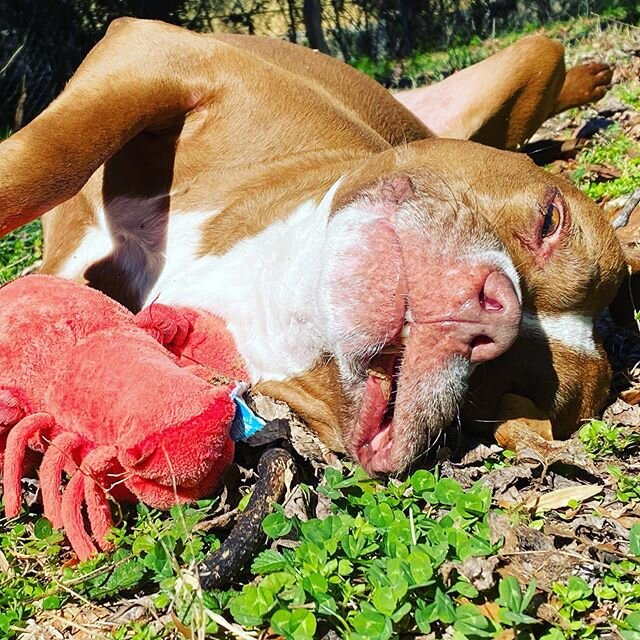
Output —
(552, 219)
(554, 215)
(546, 225)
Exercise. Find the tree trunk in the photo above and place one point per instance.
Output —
(407, 37)
(337, 8)
(312, 14)
(292, 22)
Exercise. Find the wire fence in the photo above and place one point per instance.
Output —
(37, 55)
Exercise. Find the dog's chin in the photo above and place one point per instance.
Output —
(400, 420)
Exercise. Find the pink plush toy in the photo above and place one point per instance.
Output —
(83, 382)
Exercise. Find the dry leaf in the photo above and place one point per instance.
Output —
(623, 413)
(631, 396)
(491, 610)
(561, 498)
(183, 630)
(603, 172)
(479, 453)
(628, 521)
(478, 571)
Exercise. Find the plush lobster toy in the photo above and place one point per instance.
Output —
(100, 394)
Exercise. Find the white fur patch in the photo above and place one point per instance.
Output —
(95, 245)
(265, 287)
(573, 330)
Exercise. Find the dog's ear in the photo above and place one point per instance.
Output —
(627, 225)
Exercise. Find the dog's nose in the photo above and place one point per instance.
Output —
(492, 317)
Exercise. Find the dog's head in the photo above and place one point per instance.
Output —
(440, 256)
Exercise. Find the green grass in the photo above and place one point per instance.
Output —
(610, 147)
(628, 93)
(154, 552)
(20, 249)
(374, 568)
(371, 568)
(601, 439)
(426, 67)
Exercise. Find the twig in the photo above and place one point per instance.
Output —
(75, 594)
(218, 522)
(624, 24)
(542, 552)
(14, 55)
(622, 219)
(234, 629)
(97, 572)
(86, 629)
(13, 264)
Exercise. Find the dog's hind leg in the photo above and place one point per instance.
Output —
(502, 100)
(583, 84)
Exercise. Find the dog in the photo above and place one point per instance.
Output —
(378, 278)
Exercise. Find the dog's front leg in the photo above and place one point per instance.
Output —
(142, 75)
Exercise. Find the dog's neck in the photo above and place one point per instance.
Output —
(266, 287)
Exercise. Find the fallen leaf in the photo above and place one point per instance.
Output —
(465, 476)
(478, 571)
(561, 498)
(549, 613)
(492, 611)
(628, 521)
(599, 616)
(622, 412)
(502, 479)
(603, 172)
(611, 512)
(479, 453)
(182, 628)
(631, 396)
(611, 105)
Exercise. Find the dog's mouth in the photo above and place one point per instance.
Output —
(403, 409)
(374, 432)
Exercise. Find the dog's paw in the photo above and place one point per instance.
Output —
(584, 84)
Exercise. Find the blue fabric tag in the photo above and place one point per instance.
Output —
(245, 423)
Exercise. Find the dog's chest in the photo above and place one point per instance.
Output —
(264, 288)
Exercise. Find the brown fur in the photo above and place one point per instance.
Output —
(317, 398)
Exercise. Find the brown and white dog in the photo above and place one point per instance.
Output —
(364, 267)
